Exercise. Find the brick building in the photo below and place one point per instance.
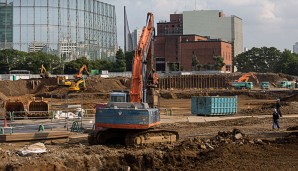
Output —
(177, 41)
(177, 51)
(175, 26)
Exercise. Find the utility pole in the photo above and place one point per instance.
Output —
(124, 50)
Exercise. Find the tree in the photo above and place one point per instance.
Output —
(219, 62)
(194, 62)
(17, 60)
(174, 67)
(257, 60)
(129, 60)
(10, 58)
(287, 63)
(74, 66)
(120, 64)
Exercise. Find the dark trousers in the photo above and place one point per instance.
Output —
(275, 123)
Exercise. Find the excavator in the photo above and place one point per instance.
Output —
(79, 75)
(43, 72)
(242, 82)
(127, 118)
(245, 77)
(79, 83)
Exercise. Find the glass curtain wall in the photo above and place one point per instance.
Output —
(68, 28)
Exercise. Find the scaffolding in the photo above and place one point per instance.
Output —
(79, 27)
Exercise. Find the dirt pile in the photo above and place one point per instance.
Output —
(96, 84)
(49, 86)
(225, 151)
(105, 85)
(14, 88)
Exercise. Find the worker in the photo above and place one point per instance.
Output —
(277, 107)
(275, 119)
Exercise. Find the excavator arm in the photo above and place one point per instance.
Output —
(79, 74)
(43, 72)
(245, 77)
(143, 73)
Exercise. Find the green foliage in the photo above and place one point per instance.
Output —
(219, 62)
(120, 64)
(16, 60)
(174, 67)
(74, 66)
(194, 62)
(129, 60)
(9, 59)
(267, 60)
(288, 63)
(257, 60)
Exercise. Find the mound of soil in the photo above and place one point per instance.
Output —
(225, 151)
(104, 85)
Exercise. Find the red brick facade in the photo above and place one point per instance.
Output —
(174, 27)
(180, 49)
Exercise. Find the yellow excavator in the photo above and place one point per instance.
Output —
(79, 85)
(61, 80)
(43, 72)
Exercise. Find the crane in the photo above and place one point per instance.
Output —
(127, 117)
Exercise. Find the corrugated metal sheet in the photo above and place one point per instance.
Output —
(214, 105)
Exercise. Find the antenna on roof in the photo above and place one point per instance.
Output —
(195, 4)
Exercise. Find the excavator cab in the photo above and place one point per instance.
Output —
(43, 72)
(61, 80)
(119, 96)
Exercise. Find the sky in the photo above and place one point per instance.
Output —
(269, 23)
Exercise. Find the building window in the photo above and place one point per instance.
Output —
(228, 68)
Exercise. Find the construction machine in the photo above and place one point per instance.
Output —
(127, 118)
(79, 75)
(242, 82)
(79, 85)
(43, 72)
(61, 80)
(245, 77)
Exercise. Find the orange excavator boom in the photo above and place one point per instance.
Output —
(245, 77)
(143, 63)
(79, 74)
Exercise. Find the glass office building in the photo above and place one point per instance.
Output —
(68, 28)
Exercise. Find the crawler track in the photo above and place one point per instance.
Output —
(132, 137)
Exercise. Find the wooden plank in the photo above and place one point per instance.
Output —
(33, 136)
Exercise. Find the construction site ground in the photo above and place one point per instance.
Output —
(243, 141)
